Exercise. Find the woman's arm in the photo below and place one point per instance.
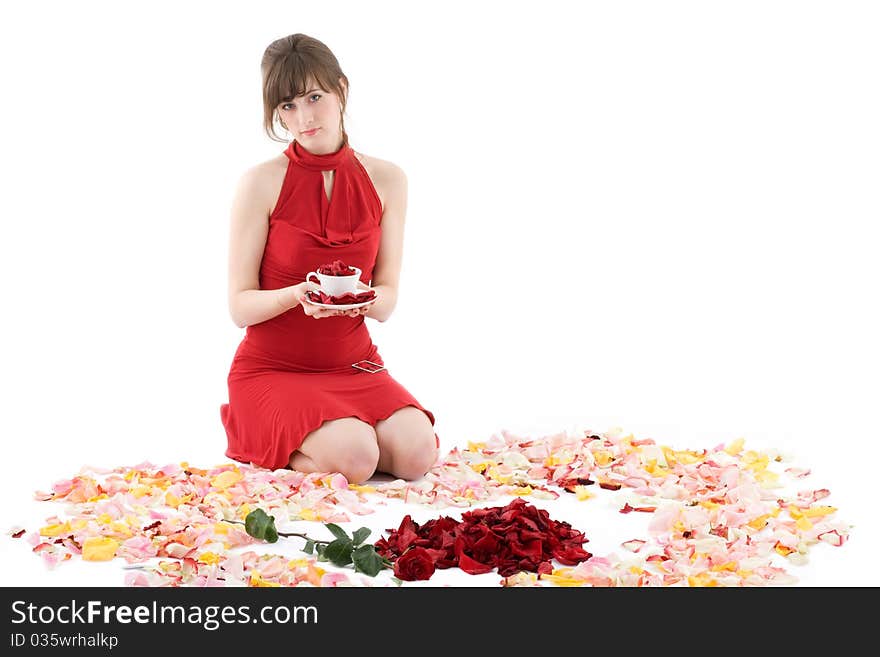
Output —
(249, 227)
(255, 306)
(386, 273)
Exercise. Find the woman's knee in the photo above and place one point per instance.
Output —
(358, 461)
(408, 444)
(345, 445)
(413, 460)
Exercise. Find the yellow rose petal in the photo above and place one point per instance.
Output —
(121, 528)
(560, 458)
(497, 476)
(562, 577)
(812, 512)
(258, 581)
(582, 493)
(702, 579)
(209, 558)
(729, 566)
(226, 479)
(803, 524)
(783, 550)
(172, 500)
(55, 530)
(735, 447)
(99, 548)
(759, 523)
(755, 461)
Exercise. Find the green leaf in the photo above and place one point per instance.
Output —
(320, 548)
(396, 581)
(339, 552)
(367, 561)
(309, 547)
(360, 535)
(261, 525)
(336, 530)
(254, 522)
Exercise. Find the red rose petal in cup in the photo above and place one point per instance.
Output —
(336, 268)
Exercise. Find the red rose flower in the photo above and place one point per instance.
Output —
(415, 563)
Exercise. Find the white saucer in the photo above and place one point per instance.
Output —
(342, 306)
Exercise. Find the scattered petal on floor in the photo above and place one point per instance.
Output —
(719, 516)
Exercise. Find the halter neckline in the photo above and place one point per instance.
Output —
(315, 162)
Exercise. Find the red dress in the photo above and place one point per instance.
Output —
(291, 373)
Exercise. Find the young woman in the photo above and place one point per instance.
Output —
(295, 397)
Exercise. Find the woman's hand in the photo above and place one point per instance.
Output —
(309, 308)
(312, 310)
(357, 312)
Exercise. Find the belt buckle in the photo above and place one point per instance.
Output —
(368, 366)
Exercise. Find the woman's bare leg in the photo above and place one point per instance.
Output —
(346, 445)
(407, 443)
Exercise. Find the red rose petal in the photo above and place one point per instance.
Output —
(336, 268)
(512, 538)
(472, 566)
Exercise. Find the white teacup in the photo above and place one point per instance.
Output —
(337, 285)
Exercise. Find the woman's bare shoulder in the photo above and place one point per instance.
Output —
(383, 168)
(379, 171)
(266, 172)
(387, 177)
(266, 178)
(271, 168)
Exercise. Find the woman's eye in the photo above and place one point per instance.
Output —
(286, 105)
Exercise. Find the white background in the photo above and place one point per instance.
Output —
(676, 202)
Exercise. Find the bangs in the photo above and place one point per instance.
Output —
(291, 78)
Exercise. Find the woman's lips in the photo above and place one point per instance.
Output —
(309, 133)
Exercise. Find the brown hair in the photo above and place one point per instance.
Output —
(288, 65)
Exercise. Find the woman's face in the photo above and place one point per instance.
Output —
(316, 110)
